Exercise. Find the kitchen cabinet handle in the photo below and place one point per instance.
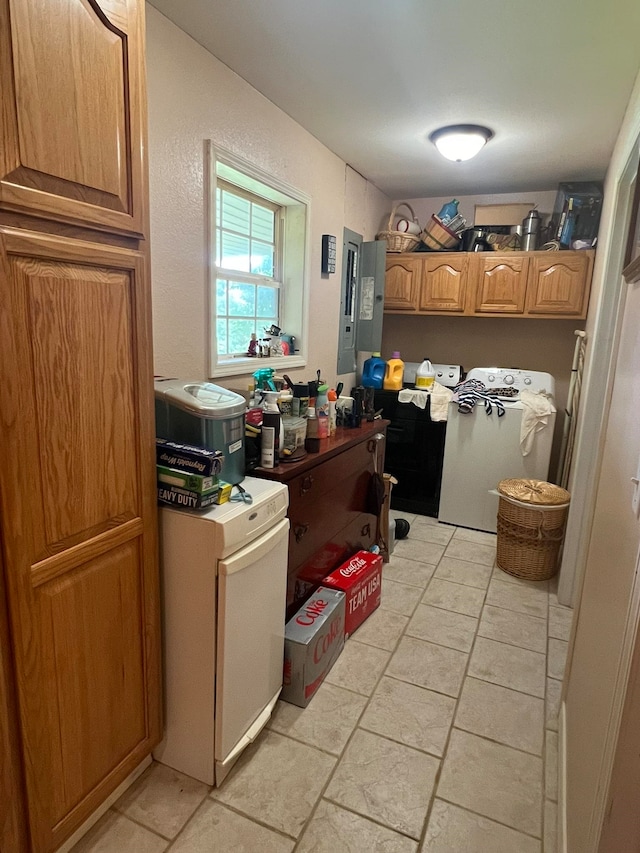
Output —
(300, 531)
(366, 530)
(306, 484)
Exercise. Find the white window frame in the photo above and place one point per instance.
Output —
(294, 291)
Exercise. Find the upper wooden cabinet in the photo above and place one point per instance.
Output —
(556, 284)
(443, 287)
(78, 158)
(488, 284)
(500, 283)
(402, 282)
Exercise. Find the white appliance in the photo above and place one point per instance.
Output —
(224, 574)
(481, 450)
(446, 374)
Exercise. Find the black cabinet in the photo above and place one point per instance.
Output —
(414, 454)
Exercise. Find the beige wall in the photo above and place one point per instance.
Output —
(194, 97)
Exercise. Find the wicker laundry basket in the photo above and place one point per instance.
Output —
(531, 519)
(400, 241)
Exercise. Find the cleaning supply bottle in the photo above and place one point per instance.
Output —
(333, 401)
(425, 376)
(373, 371)
(271, 429)
(448, 211)
(394, 373)
(322, 411)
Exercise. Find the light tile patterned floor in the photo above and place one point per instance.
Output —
(435, 732)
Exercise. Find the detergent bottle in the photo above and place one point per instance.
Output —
(373, 371)
(394, 373)
(425, 376)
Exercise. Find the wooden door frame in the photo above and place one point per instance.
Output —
(607, 334)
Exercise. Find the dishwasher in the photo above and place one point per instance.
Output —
(224, 577)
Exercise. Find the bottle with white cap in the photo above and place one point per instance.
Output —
(425, 375)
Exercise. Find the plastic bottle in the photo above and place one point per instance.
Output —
(373, 371)
(448, 211)
(322, 411)
(333, 401)
(285, 402)
(271, 429)
(425, 376)
(394, 373)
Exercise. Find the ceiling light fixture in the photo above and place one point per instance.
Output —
(460, 141)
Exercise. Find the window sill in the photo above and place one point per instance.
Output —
(247, 366)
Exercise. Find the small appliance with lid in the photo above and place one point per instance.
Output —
(206, 415)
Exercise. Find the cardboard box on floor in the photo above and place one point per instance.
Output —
(313, 640)
(360, 578)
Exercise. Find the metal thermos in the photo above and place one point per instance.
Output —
(530, 231)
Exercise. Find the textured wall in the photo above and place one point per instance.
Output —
(194, 97)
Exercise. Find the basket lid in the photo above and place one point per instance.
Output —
(534, 492)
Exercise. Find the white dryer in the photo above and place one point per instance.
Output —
(482, 449)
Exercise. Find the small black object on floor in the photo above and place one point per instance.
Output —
(402, 528)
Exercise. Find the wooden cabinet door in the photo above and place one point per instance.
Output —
(71, 113)
(402, 282)
(77, 488)
(559, 283)
(499, 282)
(444, 283)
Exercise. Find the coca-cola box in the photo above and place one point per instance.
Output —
(313, 640)
(360, 578)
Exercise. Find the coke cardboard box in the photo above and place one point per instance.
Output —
(313, 640)
(360, 578)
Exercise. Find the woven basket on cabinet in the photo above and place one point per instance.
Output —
(400, 241)
(531, 521)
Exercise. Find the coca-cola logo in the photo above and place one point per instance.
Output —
(352, 567)
(311, 612)
(325, 641)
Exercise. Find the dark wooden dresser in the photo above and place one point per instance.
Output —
(330, 507)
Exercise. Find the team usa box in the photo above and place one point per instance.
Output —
(360, 578)
(313, 640)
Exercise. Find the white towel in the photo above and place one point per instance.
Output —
(536, 412)
(440, 399)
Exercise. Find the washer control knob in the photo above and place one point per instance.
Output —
(491, 377)
(527, 380)
(509, 380)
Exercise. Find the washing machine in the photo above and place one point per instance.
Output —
(481, 449)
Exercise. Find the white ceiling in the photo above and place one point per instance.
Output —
(372, 79)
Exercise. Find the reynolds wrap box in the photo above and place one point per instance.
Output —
(360, 579)
(313, 640)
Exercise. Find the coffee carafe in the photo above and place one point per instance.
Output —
(530, 231)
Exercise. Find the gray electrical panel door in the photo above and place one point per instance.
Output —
(373, 258)
(361, 298)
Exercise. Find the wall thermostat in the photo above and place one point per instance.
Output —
(328, 253)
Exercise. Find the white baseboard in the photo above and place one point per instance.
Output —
(104, 807)
(561, 833)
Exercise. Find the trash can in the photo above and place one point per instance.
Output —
(532, 515)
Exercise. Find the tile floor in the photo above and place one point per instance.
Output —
(435, 731)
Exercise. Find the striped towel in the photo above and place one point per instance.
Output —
(467, 394)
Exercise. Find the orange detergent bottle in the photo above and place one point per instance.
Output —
(394, 373)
